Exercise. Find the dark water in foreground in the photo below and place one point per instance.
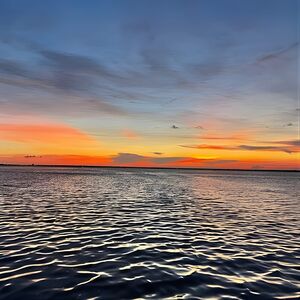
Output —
(79, 233)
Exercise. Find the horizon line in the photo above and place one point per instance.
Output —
(147, 167)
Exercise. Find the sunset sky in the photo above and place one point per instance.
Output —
(209, 84)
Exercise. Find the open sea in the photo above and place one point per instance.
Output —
(105, 233)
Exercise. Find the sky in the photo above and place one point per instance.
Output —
(162, 83)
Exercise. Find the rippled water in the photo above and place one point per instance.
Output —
(83, 233)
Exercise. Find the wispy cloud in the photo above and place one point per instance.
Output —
(158, 153)
(267, 148)
(233, 137)
(287, 149)
(75, 106)
(60, 80)
(57, 72)
(32, 156)
(295, 143)
(277, 54)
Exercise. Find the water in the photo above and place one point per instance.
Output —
(83, 233)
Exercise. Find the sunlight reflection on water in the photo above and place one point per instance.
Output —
(137, 233)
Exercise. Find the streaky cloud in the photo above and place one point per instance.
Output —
(277, 54)
(287, 149)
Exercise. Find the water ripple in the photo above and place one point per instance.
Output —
(80, 233)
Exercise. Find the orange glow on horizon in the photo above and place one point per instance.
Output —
(61, 144)
(189, 162)
(39, 132)
(45, 138)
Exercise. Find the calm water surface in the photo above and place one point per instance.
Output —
(80, 233)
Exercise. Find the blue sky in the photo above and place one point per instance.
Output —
(144, 66)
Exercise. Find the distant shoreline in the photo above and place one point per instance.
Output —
(132, 167)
